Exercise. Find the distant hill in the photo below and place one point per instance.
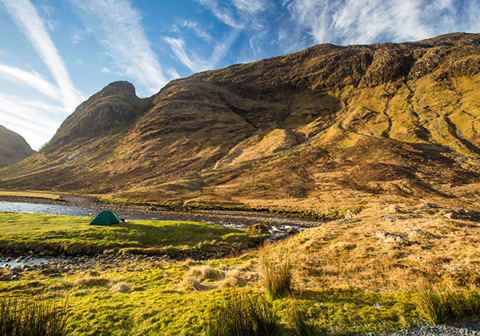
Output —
(13, 147)
(326, 126)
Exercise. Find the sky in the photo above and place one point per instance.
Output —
(54, 54)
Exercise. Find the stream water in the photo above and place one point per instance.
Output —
(55, 209)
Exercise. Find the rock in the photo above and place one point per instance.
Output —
(417, 233)
(292, 231)
(394, 209)
(389, 237)
(451, 215)
(394, 239)
(382, 234)
(349, 214)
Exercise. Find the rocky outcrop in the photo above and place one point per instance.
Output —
(13, 147)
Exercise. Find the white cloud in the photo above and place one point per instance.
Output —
(32, 79)
(197, 63)
(195, 27)
(225, 14)
(28, 20)
(33, 120)
(120, 31)
(369, 21)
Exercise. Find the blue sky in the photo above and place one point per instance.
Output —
(54, 54)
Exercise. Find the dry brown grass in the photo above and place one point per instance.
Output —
(349, 253)
(121, 287)
(91, 281)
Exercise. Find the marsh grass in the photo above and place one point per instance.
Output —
(442, 305)
(32, 317)
(242, 314)
(277, 273)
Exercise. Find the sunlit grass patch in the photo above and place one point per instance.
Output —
(71, 235)
(31, 194)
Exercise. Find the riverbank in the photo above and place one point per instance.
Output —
(232, 218)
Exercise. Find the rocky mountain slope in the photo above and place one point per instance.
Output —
(327, 126)
(13, 147)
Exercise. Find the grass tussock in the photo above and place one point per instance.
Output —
(121, 287)
(244, 315)
(31, 317)
(277, 273)
(442, 305)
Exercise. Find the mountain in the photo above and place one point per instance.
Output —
(326, 126)
(13, 147)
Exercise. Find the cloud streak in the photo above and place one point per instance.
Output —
(121, 32)
(362, 22)
(28, 20)
(198, 63)
(34, 120)
(32, 79)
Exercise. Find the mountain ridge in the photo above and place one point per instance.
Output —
(325, 126)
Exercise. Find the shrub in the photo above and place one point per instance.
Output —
(277, 274)
(243, 315)
(31, 317)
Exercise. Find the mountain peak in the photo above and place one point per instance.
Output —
(13, 147)
(107, 112)
(120, 88)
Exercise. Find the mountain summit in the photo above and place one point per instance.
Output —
(13, 147)
(326, 126)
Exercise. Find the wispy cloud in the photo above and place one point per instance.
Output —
(34, 120)
(28, 20)
(239, 15)
(32, 79)
(120, 31)
(195, 62)
(362, 21)
(225, 14)
(195, 27)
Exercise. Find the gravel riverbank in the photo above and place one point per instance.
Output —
(442, 330)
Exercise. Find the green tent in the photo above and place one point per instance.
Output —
(106, 217)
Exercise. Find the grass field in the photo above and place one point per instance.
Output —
(181, 296)
(50, 234)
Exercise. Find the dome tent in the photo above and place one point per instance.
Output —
(106, 217)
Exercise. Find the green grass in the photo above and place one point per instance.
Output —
(156, 306)
(20, 233)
